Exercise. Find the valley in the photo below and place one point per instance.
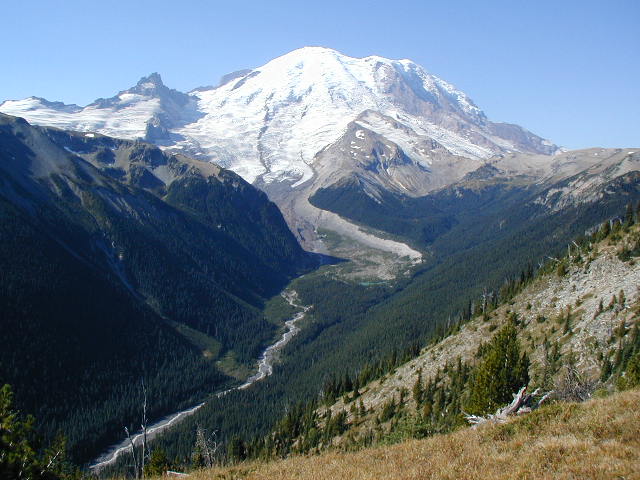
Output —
(265, 368)
(276, 261)
(308, 119)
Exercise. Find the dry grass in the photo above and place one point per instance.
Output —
(597, 439)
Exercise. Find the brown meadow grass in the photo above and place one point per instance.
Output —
(598, 439)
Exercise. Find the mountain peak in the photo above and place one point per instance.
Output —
(150, 81)
(313, 50)
(153, 78)
(312, 53)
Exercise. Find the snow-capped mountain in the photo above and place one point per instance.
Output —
(306, 120)
(148, 110)
(271, 122)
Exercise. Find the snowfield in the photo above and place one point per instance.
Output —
(272, 121)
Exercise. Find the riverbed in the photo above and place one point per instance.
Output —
(265, 368)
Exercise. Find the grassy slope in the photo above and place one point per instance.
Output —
(595, 439)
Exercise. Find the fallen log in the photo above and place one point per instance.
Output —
(522, 403)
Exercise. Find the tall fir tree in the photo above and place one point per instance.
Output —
(502, 371)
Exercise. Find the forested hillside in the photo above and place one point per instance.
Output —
(570, 329)
(111, 278)
(189, 253)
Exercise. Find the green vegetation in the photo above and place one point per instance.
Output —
(420, 220)
(103, 287)
(480, 387)
(352, 330)
(21, 454)
(502, 370)
(105, 284)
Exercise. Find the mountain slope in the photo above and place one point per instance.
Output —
(273, 120)
(542, 185)
(146, 110)
(344, 144)
(106, 266)
(596, 439)
(577, 321)
(288, 110)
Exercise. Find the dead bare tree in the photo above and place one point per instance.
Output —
(139, 461)
(143, 426)
(522, 403)
(575, 387)
(207, 447)
(485, 295)
(53, 457)
(134, 458)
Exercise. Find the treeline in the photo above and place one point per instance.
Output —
(336, 385)
(502, 369)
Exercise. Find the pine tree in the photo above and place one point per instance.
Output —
(361, 410)
(236, 450)
(605, 372)
(631, 377)
(567, 322)
(502, 371)
(18, 456)
(158, 463)
(418, 391)
(628, 218)
(604, 231)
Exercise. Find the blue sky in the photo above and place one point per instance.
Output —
(566, 70)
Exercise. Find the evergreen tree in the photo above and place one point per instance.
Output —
(158, 463)
(604, 231)
(236, 450)
(418, 391)
(628, 218)
(631, 379)
(19, 457)
(605, 371)
(502, 371)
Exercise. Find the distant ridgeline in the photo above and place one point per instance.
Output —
(121, 264)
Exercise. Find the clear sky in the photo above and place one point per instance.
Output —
(567, 70)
